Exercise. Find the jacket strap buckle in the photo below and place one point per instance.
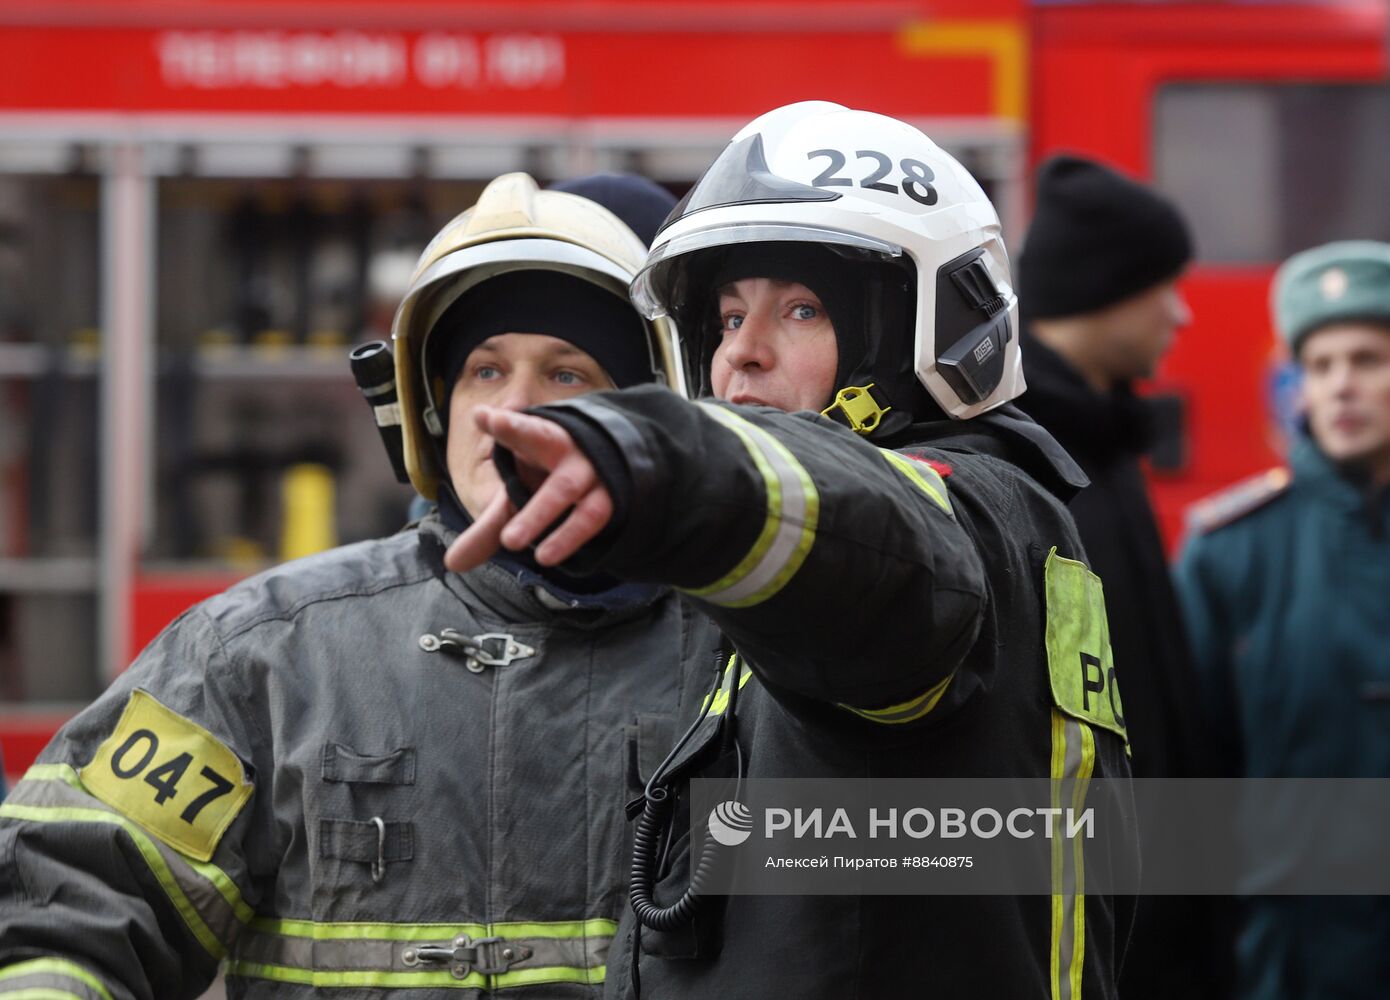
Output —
(498, 649)
(491, 649)
(487, 956)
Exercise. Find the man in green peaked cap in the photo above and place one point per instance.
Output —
(1283, 581)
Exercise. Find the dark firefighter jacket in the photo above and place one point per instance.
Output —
(314, 779)
(894, 619)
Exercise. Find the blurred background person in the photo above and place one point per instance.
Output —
(1285, 582)
(1098, 289)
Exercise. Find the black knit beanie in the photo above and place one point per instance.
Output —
(836, 281)
(598, 322)
(1097, 238)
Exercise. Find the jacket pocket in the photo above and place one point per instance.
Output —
(649, 740)
(343, 763)
(360, 847)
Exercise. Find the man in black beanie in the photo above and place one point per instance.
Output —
(1100, 303)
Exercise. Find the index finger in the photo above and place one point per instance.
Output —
(565, 486)
(482, 538)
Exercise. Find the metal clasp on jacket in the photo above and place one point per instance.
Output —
(488, 956)
(491, 649)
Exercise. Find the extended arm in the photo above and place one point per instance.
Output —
(839, 569)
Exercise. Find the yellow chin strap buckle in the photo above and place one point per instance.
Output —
(855, 407)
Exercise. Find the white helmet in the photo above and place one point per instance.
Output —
(514, 227)
(909, 225)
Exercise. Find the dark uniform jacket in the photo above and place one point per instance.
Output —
(1180, 945)
(894, 622)
(1285, 582)
(352, 775)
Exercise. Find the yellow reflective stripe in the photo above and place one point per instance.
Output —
(55, 967)
(415, 980)
(1073, 760)
(557, 929)
(220, 880)
(908, 711)
(927, 479)
(39, 993)
(362, 931)
(1058, 771)
(311, 977)
(793, 510)
(354, 931)
(264, 960)
(1083, 780)
(54, 772)
(595, 975)
(559, 974)
(157, 865)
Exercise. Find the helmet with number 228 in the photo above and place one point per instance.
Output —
(934, 322)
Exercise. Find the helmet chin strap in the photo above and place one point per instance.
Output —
(861, 408)
(872, 400)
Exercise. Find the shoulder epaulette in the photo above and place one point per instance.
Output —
(1235, 502)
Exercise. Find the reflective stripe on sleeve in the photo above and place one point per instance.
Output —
(908, 711)
(793, 509)
(50, 977)
(1073, 762)
(927, 479)
(384, 955)
(205, 897)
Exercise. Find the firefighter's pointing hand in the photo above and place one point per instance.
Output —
(561, 477)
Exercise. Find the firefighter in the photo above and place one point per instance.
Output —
(1283, 580)
(888, 570)
(359, 771)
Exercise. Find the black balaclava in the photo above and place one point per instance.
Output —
(871, 303)
(559, 305)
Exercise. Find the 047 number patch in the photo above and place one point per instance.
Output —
(170, 775)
